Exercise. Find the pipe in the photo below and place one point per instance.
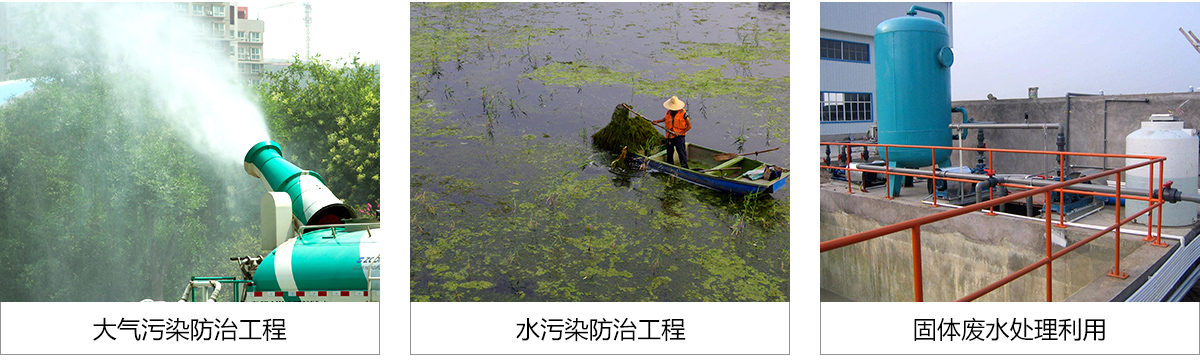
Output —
(1006, 126)
(1067, 129)
(965, 120)
(1104, 161)
(979, 164)
(186, 289)
(986, 184)
(216, 290)
(913, 12)
(1061, 142)
(1171, 195)
(1090, 167)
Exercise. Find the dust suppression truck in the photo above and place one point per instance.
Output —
(318, 251)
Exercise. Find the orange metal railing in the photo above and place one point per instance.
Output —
(1153, 198)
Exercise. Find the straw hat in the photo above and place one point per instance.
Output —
(673, 104)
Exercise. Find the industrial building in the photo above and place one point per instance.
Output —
(847, 63)
(1084, 197)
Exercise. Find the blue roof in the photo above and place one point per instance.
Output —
(12, 88)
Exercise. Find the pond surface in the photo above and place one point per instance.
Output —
(510, 202)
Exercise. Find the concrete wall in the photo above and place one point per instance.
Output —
(1086, 131)
(959, 255)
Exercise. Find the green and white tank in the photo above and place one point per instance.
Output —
(328, 259)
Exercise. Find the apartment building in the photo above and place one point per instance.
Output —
(226, 26)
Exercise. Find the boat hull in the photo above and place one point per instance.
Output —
(730, 181)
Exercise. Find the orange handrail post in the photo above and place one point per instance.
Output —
(1150, 216)
(933, 174)
(991, 195)
(1062, 212)
(887, 165)
(1116, 270)
(849, 184)
(1049, 278)
(918, 291)
(1158, 237)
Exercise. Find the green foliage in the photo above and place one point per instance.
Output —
(111, 204)
(326, 117)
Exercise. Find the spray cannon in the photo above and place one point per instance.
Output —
(302, 193)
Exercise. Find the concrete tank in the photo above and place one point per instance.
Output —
(912, 85)
(1164, 135)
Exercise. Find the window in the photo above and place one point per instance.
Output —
(241, 35)
(844, 50)
(197, 9)
(256, 68)
(241, 53)
(181, 7)
(218, 29)
(231, 33)
(254, 54)
(218, 10)
(254, 37)
(241, 67)
(845, 106)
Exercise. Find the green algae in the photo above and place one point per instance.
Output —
(730, 279)
(530, 249)
(773, 45)
(427, 121)
(578, 72)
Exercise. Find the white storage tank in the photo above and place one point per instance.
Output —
(1164, 135)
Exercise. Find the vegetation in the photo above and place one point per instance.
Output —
(327, 117)
(101, 198)
(101, 201)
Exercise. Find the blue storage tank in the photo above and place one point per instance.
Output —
(912, 84)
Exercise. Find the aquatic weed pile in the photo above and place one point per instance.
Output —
(627, 129)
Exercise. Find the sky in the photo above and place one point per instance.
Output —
(339, 28)
(1117, 48)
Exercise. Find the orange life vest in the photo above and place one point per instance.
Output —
(678, 124)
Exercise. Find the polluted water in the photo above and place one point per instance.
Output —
(512, 201)
(123, 164)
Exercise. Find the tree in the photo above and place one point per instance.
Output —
(326, 117)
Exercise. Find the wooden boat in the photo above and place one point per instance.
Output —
(722, 177)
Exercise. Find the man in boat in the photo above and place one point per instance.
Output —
(678, 123)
